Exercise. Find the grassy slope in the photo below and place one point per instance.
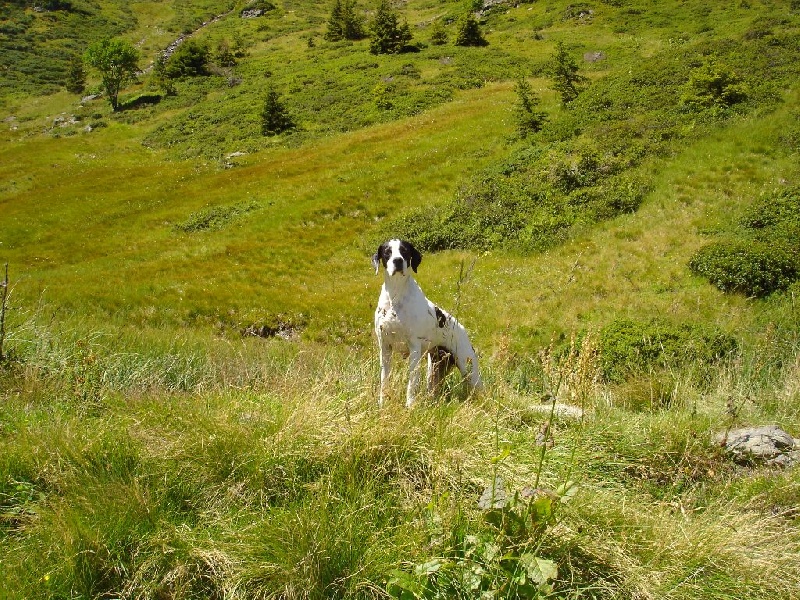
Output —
(275, 476)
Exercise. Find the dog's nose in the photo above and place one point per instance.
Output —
(399, 264)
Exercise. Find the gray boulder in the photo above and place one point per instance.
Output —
(768, 444)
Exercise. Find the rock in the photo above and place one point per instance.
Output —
(594, 56)
(494, 496)
(252, 13)
(768, 444)
(564, 411)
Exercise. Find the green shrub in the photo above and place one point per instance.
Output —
(763, 254)
(628, 347)
(750, 268)
(775, 219)
(438, 33)
(507, 208)
(215, 217)
(713, 85)
(189, 60)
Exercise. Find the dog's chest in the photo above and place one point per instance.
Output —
(409, 318)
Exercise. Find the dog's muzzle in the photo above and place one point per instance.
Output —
(398, 265)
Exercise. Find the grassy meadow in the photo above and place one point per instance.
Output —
(151, 448)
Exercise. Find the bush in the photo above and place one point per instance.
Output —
(713, 85)
(763, 254)
(628, 348)
(438, 33)
(775, 219)
(751, 268)
(189, 60)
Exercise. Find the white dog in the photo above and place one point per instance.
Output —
(408, 323)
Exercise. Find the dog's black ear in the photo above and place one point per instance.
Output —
(416, 257)
(376, 258)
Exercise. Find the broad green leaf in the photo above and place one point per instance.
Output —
(539, 570)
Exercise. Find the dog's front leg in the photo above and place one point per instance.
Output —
(386, 367)
(414, 355)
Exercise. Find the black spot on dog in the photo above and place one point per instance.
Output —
(441, 318)
(410, 254)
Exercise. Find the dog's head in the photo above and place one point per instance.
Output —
(396, 256)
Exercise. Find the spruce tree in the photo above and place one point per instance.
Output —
(344, 23)
(275, 117)
(388, 36)
(76, 76)
(438, 33)
(564, 70)
(469, 32)
(526, 111)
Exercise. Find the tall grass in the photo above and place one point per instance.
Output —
(288, 482)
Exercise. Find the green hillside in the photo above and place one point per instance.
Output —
(188, 378)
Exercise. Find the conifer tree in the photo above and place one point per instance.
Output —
(529, 118)
(76, 76)
(275, 117)
(438, 33)
(344, 23)
(564, 70)
(469, 32)
(388, 36)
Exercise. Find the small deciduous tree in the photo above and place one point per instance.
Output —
(388, 35)
(344, 23)
(275, 117)
(529, 118)
(566, 79)
(117, 63)
(468, 32)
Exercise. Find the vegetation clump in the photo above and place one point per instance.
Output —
(763, 254)
(713, 85)
(628, 348)
(215, 217)
(190, 59)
